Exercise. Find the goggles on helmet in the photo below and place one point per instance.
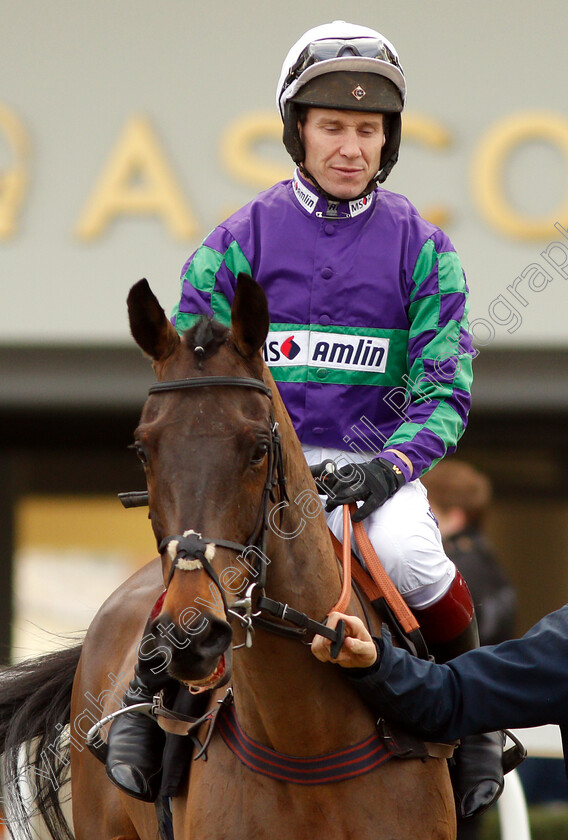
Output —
(337, 48)
(329, 54)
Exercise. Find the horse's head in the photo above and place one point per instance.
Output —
(209, 448)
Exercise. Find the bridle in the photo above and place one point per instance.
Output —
(191, 545)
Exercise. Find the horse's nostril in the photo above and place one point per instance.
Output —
(196, 656)
(217, 639)
(211, 638)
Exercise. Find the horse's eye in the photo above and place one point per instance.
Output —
(259, 453)
(140, 452)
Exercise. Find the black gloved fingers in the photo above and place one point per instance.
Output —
(365, 510)
(372, 483)
(346, 486)
(324, 470)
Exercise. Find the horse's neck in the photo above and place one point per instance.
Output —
(299, 534)
(303, 570)
(288, 700)
(284, 696)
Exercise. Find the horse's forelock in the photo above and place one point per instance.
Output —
(206, 336)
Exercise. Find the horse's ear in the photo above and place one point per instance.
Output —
(249, 316)
(149, 325)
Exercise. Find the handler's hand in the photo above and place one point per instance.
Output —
(359, 649)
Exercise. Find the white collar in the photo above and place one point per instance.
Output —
(325, 208)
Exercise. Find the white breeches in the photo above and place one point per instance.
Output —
(404, 533)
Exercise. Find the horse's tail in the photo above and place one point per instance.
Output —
(35, 709)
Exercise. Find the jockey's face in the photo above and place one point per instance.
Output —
(342, 149)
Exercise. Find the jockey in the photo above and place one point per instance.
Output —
(369, 344)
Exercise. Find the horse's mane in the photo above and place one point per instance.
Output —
(206, 336)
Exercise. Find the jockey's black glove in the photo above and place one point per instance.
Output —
(372, 483)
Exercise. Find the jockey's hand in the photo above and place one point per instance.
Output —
(358, 651)
(372, 483)
(321, 472)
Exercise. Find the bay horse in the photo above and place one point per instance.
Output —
(234, 510)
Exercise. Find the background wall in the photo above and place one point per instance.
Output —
(75, 74)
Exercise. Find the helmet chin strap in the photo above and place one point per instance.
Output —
(328, 196)
(384, 173)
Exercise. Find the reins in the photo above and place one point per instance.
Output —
(345, 558)
(385, 585)
(373, 579)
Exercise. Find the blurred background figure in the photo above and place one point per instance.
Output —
(460, 498)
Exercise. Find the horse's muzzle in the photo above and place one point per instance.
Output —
(195, 655)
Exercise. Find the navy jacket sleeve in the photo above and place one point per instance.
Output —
(518, 683)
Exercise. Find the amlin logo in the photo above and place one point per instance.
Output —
(339, 351)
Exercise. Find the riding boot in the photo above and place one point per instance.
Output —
(450, 628)
(135, 741)
(135, 745)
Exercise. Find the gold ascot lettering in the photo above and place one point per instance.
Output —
(13, 180)
(137, 180)
(425, 131)
(488, 168)
(238, 150)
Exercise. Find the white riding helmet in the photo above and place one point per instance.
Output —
(346, 67)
